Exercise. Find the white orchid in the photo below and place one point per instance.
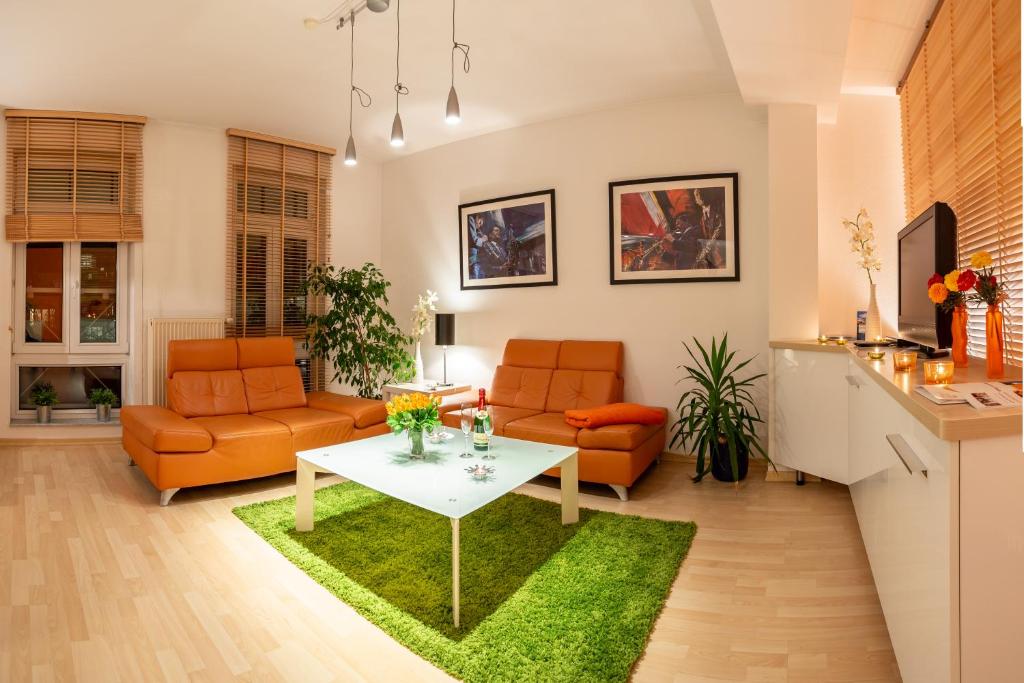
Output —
(421, 314)
(862, 242)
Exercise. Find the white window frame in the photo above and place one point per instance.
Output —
(71, 309)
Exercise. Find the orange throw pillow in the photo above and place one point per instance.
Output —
(614, 414)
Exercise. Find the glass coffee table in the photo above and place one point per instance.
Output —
(440, 481)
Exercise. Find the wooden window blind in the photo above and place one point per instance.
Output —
(960, 103)
(73, 176)
(279, 217)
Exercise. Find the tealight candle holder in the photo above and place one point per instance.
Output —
(876, 353)
(841, 341)
(938, 371)
(822, 339)
(904, 361)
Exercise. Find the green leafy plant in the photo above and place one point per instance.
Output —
(357, 334)
(102, 396)
(413, 411)
(43, 394)
(719, 410)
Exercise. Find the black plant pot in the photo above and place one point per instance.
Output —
(721, 467)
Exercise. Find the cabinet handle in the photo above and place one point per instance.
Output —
(906, 454)
(853, 381)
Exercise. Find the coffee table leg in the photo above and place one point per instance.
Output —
(455, 571)
(305, 478)
(570, 489)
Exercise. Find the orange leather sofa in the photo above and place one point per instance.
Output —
(237, 410)
(538, 380)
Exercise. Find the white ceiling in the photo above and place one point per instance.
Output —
(883, 36)
(251, 63)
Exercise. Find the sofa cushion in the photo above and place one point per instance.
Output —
(545, 428)
(193, 393)
(591, 355)
(273, 388)
(312, 428)
(531, 353)
(364, 411)
(164, 431)
(573, 389)
(502, 416)
(201, 354)
(617, 437)
(516, 387)
(245, 435)
(265, 352)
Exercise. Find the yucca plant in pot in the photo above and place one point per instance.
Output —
(717, 415)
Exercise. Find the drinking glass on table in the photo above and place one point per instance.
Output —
(466, 422)
(489, 430)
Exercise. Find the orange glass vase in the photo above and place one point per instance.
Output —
(994, 341)
(960, 337)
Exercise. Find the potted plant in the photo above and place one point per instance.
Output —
(420, 326)
(862, 243)
(103, 398)
(718, 417)
(356, 333)
(43, 397)
(413, 413)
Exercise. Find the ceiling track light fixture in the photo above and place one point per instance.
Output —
(364, 97)
(349, 8)
(452, 114)
(397, 133)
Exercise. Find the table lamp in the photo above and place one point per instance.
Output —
(444, 336)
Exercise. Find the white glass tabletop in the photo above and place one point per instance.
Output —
(439, 482)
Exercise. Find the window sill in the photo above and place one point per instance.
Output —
(64, 422)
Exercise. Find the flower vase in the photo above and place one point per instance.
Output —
(416, 443)
(959, 329)
(419, 365)
(873, 324)
(994, 341)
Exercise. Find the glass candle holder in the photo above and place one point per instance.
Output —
(822, 339)
(876, 353)
(938, 371)
(841, 341)
(904, 361)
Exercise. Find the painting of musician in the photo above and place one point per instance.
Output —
(677, 229)
(508, 241)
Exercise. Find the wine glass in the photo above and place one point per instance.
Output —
(489, 429)
(466, 422)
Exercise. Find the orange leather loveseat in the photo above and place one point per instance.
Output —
(538, 380)
(237, 410)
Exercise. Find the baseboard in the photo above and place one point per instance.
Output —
(70, 441)
(787, 476)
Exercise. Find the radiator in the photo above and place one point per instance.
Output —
(163, 330)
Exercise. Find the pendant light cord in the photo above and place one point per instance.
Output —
(457, 46)
(364, 97)
(399, 88)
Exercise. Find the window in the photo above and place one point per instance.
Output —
(960, 105)
(73, 176)
(272, 243)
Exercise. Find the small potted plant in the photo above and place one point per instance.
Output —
(413, 413)
(103, 398)
(43, 397)
(718, 417)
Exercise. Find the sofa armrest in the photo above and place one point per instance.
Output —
(618, 437)
(365, 412)
(165, 431)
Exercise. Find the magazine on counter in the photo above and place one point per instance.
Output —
(979, 395)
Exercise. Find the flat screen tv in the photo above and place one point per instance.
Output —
(926, 246)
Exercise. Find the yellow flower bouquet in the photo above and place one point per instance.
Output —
(413, 413)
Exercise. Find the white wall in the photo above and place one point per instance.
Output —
(860, 164)
(578, 156)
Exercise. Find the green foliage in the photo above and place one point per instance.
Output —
(102, 396)
(415, 418)
(357, 334)
(539, 601)
(719, 409)
(43, 394)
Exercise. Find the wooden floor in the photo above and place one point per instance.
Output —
(99, 583)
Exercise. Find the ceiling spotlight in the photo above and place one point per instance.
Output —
(451, 112)
(377, 5)
(310, 22)
(397, 133)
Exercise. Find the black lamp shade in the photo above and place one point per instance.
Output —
(444, 329)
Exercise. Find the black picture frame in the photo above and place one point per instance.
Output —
(548, 278)
(730, 250)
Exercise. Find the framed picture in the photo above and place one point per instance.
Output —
(508, 242)
(679, 229)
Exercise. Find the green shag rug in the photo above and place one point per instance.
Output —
(540, 601)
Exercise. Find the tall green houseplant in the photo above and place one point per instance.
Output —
(718, 416)
(356, 333)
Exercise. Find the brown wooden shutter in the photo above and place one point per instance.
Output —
(278, 219)
(73, 176)
(960, 103)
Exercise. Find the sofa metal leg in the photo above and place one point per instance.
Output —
(166, 495)
(131, 462)
(621, 491)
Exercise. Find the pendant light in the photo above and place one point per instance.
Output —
(397, 133)
(350, 148)
(452, 114)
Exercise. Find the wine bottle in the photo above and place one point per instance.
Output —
(480, 438)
